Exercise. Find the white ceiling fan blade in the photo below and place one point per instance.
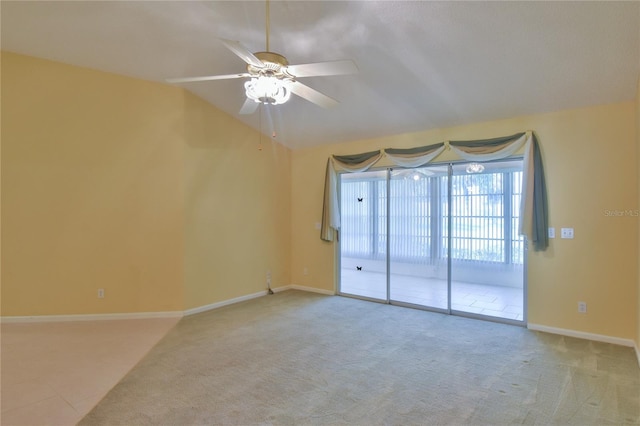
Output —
(323, 68)
(312, 95)
(249, 107)
(242, 52)
(206, 78)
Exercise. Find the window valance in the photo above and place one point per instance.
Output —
(533, 207)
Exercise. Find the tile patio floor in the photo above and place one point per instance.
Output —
(490, 300)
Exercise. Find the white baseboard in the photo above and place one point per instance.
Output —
(222, 303)
(147, 315)
(313, 289)
(253, 296)
(90, 317)
(583, 335)
(637, 346)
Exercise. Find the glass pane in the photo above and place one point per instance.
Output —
(363, 234)
(418, 268)
(486, 250)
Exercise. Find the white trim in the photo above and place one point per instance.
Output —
(148, 315)
(313, 289)
(583, 335)
(90, 317)
(637, 345)
(283, 288)
(220, 304)
(253, 296)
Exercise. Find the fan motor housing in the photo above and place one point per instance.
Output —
(273, 64)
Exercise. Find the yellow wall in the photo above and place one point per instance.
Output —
(591, 166)
(638, 172)
(116, 183)
(91, 191)
(237, 207)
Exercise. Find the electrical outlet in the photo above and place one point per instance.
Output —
(101, 293)
(305, 271)
(582, 307)
(552, 232)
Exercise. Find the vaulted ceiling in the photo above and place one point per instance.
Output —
(422, 65)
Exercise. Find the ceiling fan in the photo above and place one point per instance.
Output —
(272, 79)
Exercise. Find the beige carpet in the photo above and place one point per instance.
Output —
(297, 358)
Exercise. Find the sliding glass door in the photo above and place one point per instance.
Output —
(442, 237)
(418, 259)
(363, 235)
(487, 254)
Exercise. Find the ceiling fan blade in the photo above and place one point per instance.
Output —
(242, 52)
(249, 107)
(206, 78)
(312, 95)
(323, 68)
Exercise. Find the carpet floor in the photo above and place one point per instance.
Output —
(297, 358)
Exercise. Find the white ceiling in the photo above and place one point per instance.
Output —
(422, 64)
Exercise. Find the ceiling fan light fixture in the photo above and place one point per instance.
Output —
(267, 90)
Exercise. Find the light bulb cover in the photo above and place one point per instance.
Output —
(267, 90)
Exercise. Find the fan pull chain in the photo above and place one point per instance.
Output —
(267, 26)
(260, 131)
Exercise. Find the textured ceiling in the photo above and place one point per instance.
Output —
(422, 64)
